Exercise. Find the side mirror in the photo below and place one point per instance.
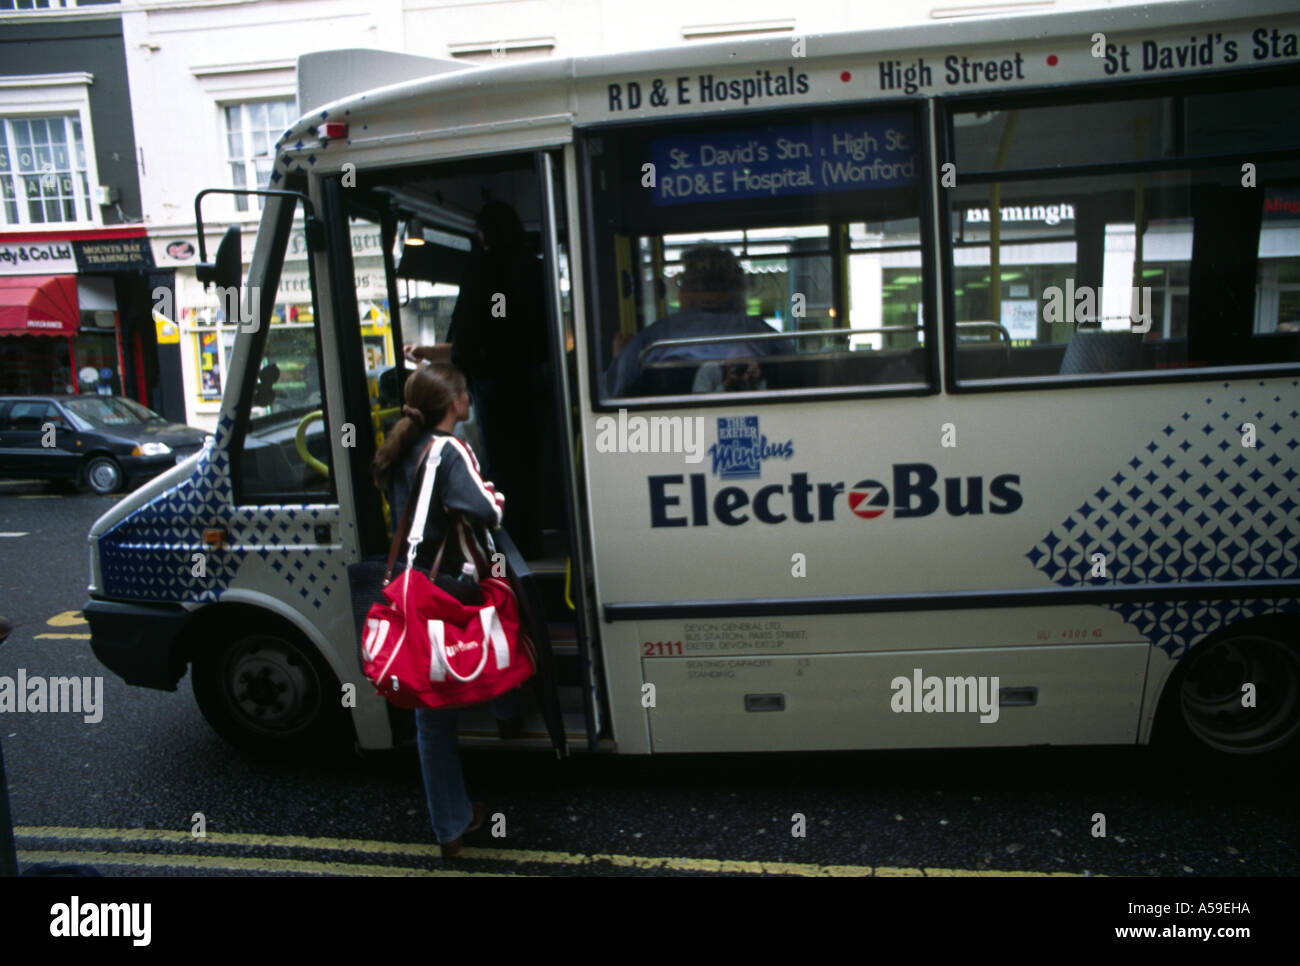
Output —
(225, 268)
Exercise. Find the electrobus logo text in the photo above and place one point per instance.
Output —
(677, 501)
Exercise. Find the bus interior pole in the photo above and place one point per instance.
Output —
(995, 223)
(1139, 213)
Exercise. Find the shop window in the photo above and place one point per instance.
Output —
(43, 176)
(34, 364)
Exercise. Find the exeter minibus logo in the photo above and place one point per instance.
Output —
(741, 449)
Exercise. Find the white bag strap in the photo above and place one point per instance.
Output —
(397, 647)
(426, 496)
(436, 656)
(494, 632)
(439, 666)
(376, 634)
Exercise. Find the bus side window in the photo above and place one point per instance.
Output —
(758, 277)
(1100, 272)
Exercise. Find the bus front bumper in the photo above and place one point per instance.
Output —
(140, 643)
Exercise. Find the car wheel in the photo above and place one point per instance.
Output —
(104, 476)
(1214, 711)
(270, 694)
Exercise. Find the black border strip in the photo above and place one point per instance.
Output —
(951, 600)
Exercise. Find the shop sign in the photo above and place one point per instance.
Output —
(37, 258)
(113, 255)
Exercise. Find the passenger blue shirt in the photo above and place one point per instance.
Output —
(624, 370)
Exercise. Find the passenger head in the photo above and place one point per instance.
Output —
(429, 393)
(500, 226)
(712, 280)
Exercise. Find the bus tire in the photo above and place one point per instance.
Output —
(1202, 711)
(264, 689)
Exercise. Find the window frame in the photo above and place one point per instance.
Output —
(1093, 93)
(280, 232)
(42, 97)
(922, 111)
(249, 161)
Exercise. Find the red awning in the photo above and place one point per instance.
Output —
(39, 305)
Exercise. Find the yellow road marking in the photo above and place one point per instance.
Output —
(68, 618)
(520, 856)
(40, 496)
(415, 848)
(236, 864)
(63, 637)
(988, 872)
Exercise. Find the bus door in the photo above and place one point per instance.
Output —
(579, 659)
(409, 250)
(760, 338)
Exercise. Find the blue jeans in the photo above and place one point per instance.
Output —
(444, 783)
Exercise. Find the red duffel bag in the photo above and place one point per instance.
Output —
(423, 648)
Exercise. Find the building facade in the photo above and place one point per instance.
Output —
(77, 274)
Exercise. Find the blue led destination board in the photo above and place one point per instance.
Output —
(799, 159)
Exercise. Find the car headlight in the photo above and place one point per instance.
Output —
(151, 449)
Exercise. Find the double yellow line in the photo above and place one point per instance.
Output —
(69, 618)
(193, 857)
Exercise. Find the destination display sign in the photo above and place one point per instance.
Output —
(808, 73)
(795, 159)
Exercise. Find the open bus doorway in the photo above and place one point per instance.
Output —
(429, 282)
(445, 287)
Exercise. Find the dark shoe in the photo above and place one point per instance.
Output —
(511, 727)
(451, 850)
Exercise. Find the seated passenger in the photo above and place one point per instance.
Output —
(713, 304)
(739, 373)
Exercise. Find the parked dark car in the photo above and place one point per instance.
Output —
(104, 442)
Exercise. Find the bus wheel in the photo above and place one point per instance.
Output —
(1215, 711)
(270, 693)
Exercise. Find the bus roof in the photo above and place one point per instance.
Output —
(491, 108)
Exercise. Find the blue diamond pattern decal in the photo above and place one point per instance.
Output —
(150, 554)
(1202, 534)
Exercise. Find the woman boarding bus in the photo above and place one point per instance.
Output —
(1022, 469)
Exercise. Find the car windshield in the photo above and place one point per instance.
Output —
(106, 411)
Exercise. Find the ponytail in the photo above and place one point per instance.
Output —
(429, 392)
